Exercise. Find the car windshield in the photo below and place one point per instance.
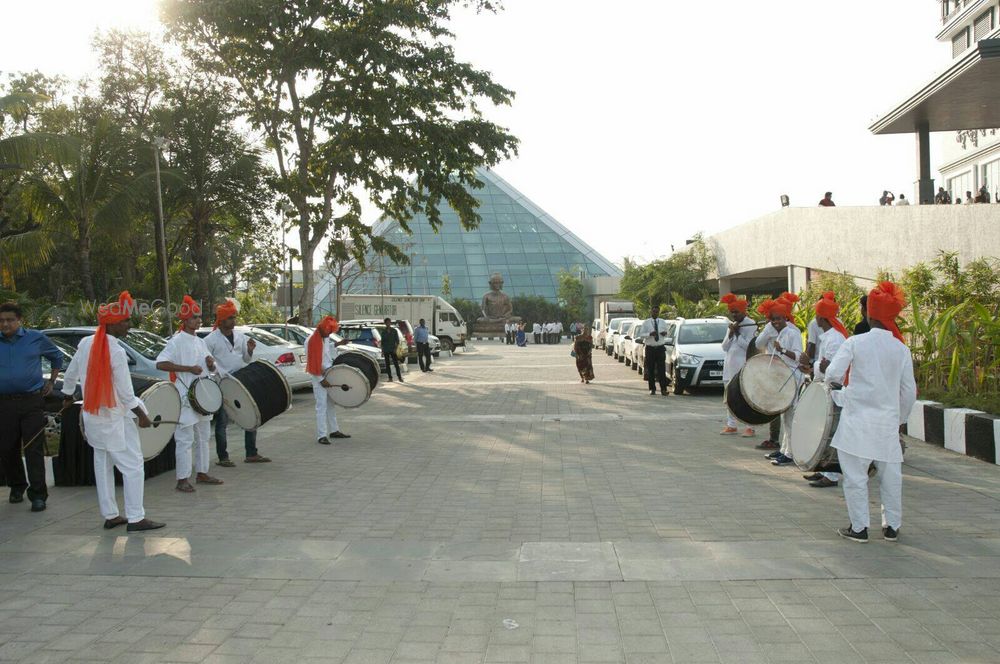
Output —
(145, 343)
(702, 333)
(266, 338)
(67, 353)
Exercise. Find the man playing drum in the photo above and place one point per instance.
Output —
(320, 354)
(831, 337)
(110, 414)
(875, 403)
(186, 357)
(738, 338)
(781, 340)
(232, 350)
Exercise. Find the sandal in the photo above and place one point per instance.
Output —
(256, 458)
(202, 478)
(184, 487)
(225, 463)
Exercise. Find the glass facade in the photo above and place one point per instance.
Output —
(515, 238)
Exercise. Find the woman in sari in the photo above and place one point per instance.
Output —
(519, 337)
(583, 348)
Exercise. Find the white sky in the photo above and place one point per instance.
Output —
(643, 122)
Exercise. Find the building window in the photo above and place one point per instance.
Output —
(957, 186)
(991, 177)
(959, 43)
(984, 24)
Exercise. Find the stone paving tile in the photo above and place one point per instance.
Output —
(481, 514)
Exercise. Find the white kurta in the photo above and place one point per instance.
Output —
(878, 399)
(229, 357)
(813, 333)
(790, 338)
(189, 350)
(826, 348)
(735, 346)
(106, 429)
(536, 329)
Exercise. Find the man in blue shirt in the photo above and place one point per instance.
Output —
(22, 393)
(421, 339)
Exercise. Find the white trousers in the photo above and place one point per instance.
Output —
(833, 477)
(192, 436)
(129, 463)
(326, 418)
(890, 474)
(786, 431)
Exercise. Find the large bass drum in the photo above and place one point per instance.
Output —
(813, 425)
(365, 364)
(349, 387)
(763, 389)
(255, 394)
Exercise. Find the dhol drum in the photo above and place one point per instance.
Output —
(368, 366)
(752, 348)
(763, 389)
(255, 394)
(349, 387)
(815, 421)
(163, 406)
(205, 395)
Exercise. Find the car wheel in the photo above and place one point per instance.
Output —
(676, 386)
(628, 362)
(448, 345)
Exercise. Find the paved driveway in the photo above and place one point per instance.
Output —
(499, 511)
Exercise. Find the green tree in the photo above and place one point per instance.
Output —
(685, 273)
(446, 286)
(572, 297)
(353, 96)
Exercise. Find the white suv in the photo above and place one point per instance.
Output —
(694, 352)
(614, 326)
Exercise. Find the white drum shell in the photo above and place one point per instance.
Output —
(813, 425)
(358, 388)
(241, 408)
(768, 384)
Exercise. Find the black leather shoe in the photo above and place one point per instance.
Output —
(115, 522)
(339, 434)
(145, 524)
(823, 483)
(323, 441)
(38, 505)
(16, 496)
(812, 478)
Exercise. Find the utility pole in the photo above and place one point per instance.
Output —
(160, 143)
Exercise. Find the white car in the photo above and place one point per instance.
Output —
(614, 326)
(288, 357)
(638, 353)
(624, 334)
(297, 334)
(694, 352)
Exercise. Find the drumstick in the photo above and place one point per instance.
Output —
(42, 430)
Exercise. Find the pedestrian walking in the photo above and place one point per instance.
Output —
(583, 351)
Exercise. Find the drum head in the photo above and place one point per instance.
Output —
(239, 404)
(812, 425)
(163, 403)
(767, 384)
(368, 366)
(350, 387)
(205, 396)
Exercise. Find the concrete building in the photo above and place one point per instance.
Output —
(963, 101)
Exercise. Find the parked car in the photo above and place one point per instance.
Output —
(297, 334)
(624, 332)
(289, 358)
(405, 331)
(608, 340)
(628, 343)
(142, 347)
(638, 353)
(694, 352)
(597, 332)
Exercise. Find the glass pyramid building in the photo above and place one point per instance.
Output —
(515, 238)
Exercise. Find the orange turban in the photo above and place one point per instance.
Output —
(828, 308)
(314, 353)
(764, 308)
(99, 387)
(734, 303)
(781, 307)
(885, 301)
(188, 308)
(227, 309)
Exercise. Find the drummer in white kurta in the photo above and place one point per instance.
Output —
(186, 358)
(878, 399)
(781, 339)
(232, 350)
(320, 354)
(110, 413)
(735, 345)
(832, 334)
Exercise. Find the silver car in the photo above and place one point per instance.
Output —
(694, 352)
(142, 347)
(288, 357)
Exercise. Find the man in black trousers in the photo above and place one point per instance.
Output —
(22, 395)
(654, 334)
(390, 342)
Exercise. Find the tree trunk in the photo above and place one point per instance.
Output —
(308, 246)
(83, 254)
(202, 255)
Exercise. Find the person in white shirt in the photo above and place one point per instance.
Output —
(902, 200)
(876, 402)
(832, 335)
(321, 351)
(186, 357)
(111, 412)
(653, 332)
(536, 330)
(232, 351)
(547, 331)
(735, 345)
(781, 339)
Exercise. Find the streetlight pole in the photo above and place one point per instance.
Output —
(288, 209)
(160, 143)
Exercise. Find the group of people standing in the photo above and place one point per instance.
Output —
(874, 368)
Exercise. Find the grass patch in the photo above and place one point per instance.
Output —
(988, 401)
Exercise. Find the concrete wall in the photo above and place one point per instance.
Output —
(857, 240)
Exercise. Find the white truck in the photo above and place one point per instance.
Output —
(443, 319)
(610, 310)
